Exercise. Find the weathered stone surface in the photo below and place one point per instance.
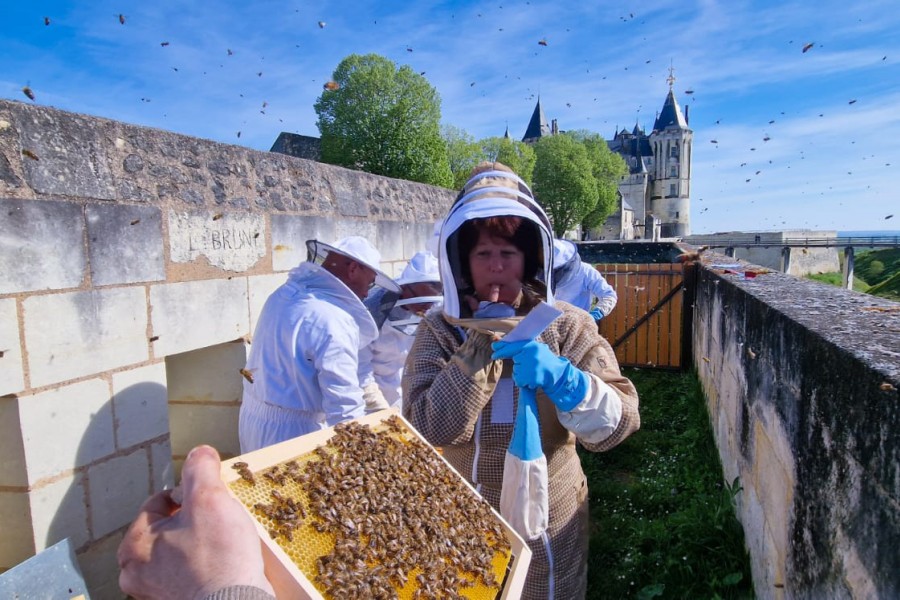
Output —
(77, 418)
(12, 451)
(390, 238)
(71, 153)
(289, 235)
(18, 538)
(813, 430)
(118, 487)
(11, 379)
(42, 246)
(75, 334)
(141, 405)
(230, 241)
(196, 314)
(125, 243)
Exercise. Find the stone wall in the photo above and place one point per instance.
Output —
(801, 380)
(133, 265)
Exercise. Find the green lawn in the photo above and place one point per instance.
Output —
(663, 519)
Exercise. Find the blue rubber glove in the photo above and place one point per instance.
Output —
(597, 313)
(535, 366)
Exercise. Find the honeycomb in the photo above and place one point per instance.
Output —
(376, 513)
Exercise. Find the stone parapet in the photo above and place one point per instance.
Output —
(802, 384)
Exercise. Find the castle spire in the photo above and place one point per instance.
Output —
(671, 78)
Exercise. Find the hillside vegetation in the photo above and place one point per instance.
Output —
(876, 272)
(881, 270)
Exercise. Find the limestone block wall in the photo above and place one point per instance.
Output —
(133, 265)
(802, 385)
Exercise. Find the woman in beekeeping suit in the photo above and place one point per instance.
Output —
(461, 385)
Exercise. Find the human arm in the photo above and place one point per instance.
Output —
(368, 381)
(446, 384)
(174, 551)
(572, 367)
(334, 349)
(597, 285)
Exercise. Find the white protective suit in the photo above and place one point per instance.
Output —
(381, 362)
(578, 283)
(304, 359)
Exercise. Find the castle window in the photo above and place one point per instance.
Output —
(672, 190)
(673, 152)
(676, 214)
(673, 171)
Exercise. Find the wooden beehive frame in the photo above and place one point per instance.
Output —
(289, 581)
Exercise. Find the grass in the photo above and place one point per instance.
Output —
(663, 519)
(838, 279)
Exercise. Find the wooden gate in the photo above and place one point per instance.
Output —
(651, 324)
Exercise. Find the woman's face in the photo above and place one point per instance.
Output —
(497, 267)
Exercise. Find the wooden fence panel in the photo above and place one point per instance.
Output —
(646, 327)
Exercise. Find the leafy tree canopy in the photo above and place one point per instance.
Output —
(463, 152)
(383, 120)
(564, 182)
(607, 168)
(518, 156)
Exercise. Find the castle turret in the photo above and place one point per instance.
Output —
(671, 141)
(538, 126)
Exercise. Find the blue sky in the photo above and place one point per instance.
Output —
(831, 114)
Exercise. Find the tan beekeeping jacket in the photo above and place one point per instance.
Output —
(447, 389)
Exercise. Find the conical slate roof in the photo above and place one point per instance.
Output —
(538, 126)
(671, 114)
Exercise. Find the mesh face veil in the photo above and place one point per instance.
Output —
(492, 191)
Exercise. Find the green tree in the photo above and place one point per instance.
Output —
(564, 182)
(463, 153)
(607, 168)
(383, 120)
(518, 156)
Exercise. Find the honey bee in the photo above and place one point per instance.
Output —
(247, 475)
(542, 42)
(46, 20)
(248, 374)
(332, 86)
(135, 221)
(164, 44)
(121, 19)
(27, 91)
(30, 154)
(217, 216)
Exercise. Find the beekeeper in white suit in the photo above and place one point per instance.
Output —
(302, 374)
(578, 283)
(381, 362)
(461, 386)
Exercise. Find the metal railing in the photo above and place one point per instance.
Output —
(886, 241)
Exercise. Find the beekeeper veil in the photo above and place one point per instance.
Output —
(492, 190)
(419, 291)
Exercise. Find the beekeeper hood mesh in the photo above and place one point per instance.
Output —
(492, 190)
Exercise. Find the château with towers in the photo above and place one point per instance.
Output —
(655, 194)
